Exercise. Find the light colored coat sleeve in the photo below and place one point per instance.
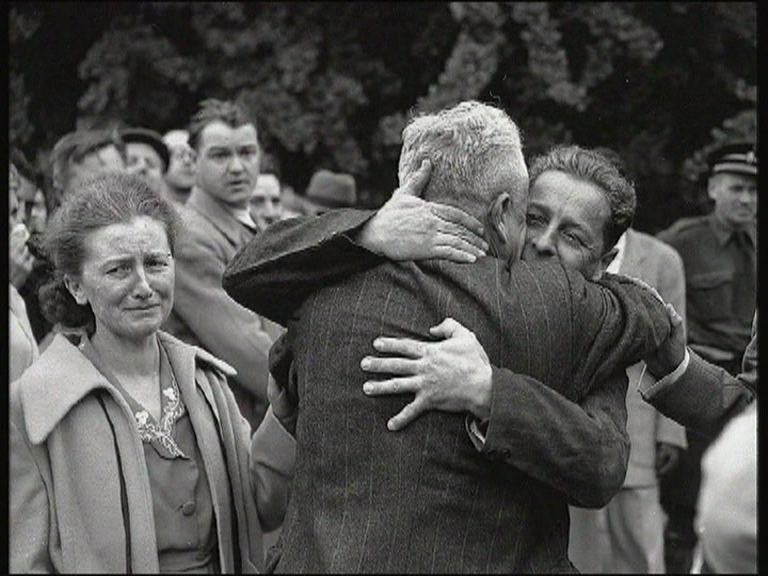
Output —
(273, 454)
(225, 328)
(671, 287)
(29, 512)
(271, 457)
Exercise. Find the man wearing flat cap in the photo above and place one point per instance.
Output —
(719, 256)
(146, 155)
(328, 190)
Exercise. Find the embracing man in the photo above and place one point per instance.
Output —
(364, 499)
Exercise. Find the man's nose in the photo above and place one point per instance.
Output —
(544, 244)
(747, 196)
(235, 165)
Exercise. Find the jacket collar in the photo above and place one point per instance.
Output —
(634, 255)
(48, 399)
(186, 358)
(217, 214)
(723, 232)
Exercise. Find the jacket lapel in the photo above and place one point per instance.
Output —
(46, 405)
(236, 233)
(190, 379)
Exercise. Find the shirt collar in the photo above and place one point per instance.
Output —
(218, 213)
(615, 264)
(723, 232)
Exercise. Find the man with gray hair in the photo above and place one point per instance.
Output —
(423, 500)
(81, 154)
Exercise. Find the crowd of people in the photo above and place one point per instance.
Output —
(493, 372)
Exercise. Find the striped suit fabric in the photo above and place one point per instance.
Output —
(365, 499)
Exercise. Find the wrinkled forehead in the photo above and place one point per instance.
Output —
(141, 236)
(221, 134)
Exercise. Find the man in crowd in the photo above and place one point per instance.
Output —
(21, 190)
(32, 204)
(146, 155)
(328, 190)
(81, 154)
(266, 206)
(719, 256)
(217, 224)
(181, 175)
(425, 501)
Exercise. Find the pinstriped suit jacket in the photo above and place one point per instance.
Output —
(424, 500)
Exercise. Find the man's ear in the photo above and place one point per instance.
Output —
(496, 226)
(496, 212)
(712, 188)
(75, 287)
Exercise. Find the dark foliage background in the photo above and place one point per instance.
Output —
(332, 84)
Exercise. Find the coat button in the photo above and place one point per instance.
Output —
(188, 508)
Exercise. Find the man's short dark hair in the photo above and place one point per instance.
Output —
(594, 168)
(212, 110)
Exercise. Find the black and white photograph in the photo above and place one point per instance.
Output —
(382, 287)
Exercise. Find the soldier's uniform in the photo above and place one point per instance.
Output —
(720, 276)
(721, 288)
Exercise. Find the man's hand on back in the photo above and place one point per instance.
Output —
(409, 228)
(451, 375)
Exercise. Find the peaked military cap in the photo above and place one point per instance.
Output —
(734, 158)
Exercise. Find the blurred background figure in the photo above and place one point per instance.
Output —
(327, 190)
(627, 535)
(266, 204)
(34, 213)
(293, 204)
(146, 155)
(37, 213)
(719, 252)
(726, 520)
(181, 173)
(29, 181)
(78, 155)
(23, 345)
